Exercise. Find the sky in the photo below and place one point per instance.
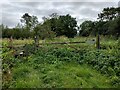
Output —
(12, 10)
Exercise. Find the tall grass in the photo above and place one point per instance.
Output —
(70, 65)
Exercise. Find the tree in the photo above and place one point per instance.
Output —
(67, 26)
(109, 13)
(109, 21)
(44, 31)
(62, 25)
(101, 27)
(29, 21)
(26, 19)
(1, 30)
(34, 22)
(87, 28)
(114, 27)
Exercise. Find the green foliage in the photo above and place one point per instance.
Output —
(53, 75)
(109, 13)
(58, 25)
(51, 27)
(44, 31)
(29, 49)
(29, 21)
(108, 23)
(50, 65)
(17, 33)
(86, 28)
(8, 62)
(62, 25)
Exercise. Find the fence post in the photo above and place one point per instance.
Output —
(98, 41)
(36, 39)
(11, 42)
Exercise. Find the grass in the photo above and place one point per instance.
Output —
(57, 39)
(66, 75)
(60, 66)
(17, 42)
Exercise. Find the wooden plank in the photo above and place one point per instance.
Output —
(52, 43)
(62, 43)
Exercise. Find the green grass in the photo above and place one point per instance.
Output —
(65, 66)
(64, 75)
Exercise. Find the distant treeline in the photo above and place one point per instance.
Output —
(108, 23)
(54, 25)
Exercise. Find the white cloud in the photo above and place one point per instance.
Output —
(12, 11)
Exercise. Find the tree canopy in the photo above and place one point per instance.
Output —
(108, 23)
(54, 25)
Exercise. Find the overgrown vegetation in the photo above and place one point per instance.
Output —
(77, 65)
(31, 63)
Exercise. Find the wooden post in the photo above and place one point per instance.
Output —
(11, 42)
(98, 41)
(36, 39)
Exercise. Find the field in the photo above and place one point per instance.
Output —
(62, 65)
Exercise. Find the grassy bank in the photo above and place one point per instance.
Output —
(69, 65)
